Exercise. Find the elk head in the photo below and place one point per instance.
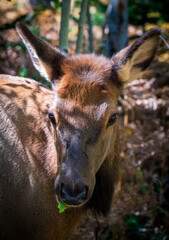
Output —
(84, 114)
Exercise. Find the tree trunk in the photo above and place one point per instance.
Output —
(90, 32)
(117, 21)
(64, 29)
(81, 25)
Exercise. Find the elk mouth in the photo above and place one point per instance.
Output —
(70, 194)
(71, 203)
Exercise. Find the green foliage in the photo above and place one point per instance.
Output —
(143, 11)
(158, 185)
(140, 173)
(62, 207)
(77, 3)
(13, 45)
(140, 226)
(37, 77)
(36, 31)
(161, 210)
(57, 4)
(159, 236)
(144, 189)
(40, 79)
(23, 72)
(135, 226)
(132, 221)
(98, 18)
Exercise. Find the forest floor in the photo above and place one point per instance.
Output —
(140, 209)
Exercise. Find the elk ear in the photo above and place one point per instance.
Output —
(46, 58)
(131, 62)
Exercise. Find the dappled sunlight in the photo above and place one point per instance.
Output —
(140, 209)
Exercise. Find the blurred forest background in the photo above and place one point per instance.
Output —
(141, 204)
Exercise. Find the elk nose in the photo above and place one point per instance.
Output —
(74, 196)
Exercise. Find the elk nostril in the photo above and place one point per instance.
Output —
(73, 197)
(83, 194)
(88, 141)
(63, 194)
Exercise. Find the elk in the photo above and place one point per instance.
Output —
(62, 145)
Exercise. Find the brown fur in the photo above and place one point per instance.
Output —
(86, 78)
(28, 165)
(73, 156)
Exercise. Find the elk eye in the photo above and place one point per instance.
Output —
(112, 119)
(52, 118)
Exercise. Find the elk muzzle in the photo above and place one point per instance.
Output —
(71, 189)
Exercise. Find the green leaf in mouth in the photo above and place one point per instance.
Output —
(62, 207)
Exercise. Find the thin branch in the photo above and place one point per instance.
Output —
(64, 29)
(164, 41)
(90, 32)
(81, 25)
